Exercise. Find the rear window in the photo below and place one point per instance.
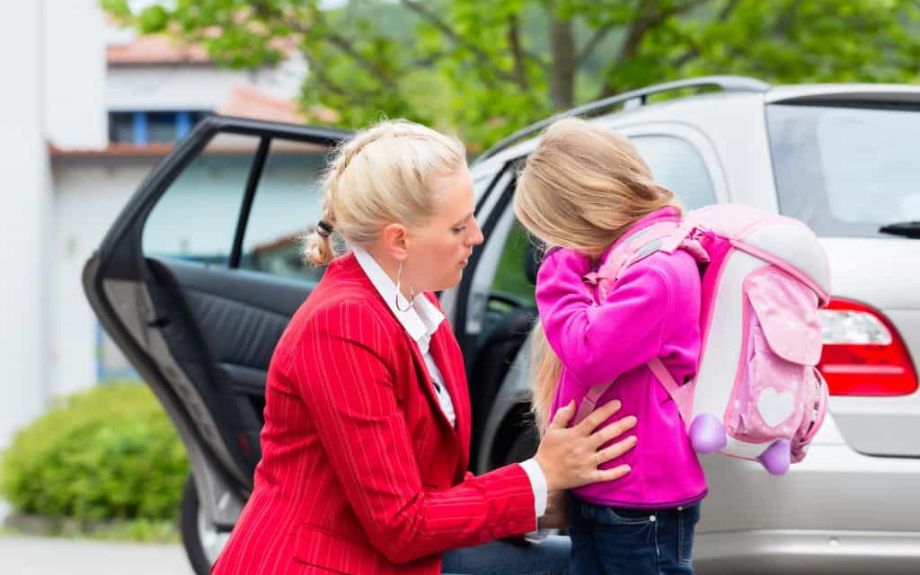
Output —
(847, 171)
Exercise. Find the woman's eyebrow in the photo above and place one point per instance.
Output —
(466, 218)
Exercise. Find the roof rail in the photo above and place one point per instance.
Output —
(637, 98)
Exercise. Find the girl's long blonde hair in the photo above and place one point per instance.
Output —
(581, 188)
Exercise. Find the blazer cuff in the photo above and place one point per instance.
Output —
(537, 484)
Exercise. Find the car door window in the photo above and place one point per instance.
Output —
(495, 216)
(676, 164)
(196, 218)
(288, 203)
(511, 275)
(501, 284)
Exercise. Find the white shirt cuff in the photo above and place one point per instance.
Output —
(539, 535)
(538, 484)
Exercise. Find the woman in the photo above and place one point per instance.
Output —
(367, 417)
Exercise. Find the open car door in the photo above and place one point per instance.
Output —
(195, 282)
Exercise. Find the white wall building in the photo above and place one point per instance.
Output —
(92, 112)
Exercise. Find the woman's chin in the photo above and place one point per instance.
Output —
(446, 283)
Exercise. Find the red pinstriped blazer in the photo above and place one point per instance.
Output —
(361, 471)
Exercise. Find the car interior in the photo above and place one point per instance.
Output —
(221, 326)
(508, 320)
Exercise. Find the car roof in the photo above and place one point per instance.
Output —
(803, 93)
(522, 142)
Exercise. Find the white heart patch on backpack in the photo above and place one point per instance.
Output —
(774, 407)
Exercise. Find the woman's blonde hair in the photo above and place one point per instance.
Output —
(380, 176)
(581, 188)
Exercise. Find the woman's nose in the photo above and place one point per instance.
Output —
(477, 237)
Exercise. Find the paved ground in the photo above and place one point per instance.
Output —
(22, 555)
(38, 556)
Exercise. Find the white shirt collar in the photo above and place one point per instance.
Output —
(420, 321)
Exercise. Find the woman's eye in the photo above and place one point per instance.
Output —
(459, 230)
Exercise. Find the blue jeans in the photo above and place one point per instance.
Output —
(611, 540)
(549, 557)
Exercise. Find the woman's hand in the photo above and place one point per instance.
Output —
(570, 457)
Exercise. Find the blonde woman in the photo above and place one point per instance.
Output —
(367, 416)
(584, 189)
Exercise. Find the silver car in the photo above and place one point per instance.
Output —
(200, 273)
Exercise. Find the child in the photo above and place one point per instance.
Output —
(583, 189)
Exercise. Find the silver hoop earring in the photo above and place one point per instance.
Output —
(399, 290)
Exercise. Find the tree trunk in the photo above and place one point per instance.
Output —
(564, 64)
(517, 51)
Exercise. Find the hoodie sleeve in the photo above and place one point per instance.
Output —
(597, 342)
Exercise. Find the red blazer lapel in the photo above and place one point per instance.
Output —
(425, 382)
(449, 359)
(446, 354)
(353, 269)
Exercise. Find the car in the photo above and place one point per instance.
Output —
(199, 274)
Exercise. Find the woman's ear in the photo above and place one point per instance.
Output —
(395, 241)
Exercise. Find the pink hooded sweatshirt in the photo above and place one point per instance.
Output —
(652, 311)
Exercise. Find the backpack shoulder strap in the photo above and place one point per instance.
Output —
(681, 394)
(664, 236)
(636, 247)
(589, 401)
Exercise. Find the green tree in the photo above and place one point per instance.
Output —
(483, 69)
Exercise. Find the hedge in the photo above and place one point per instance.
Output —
(106, 453)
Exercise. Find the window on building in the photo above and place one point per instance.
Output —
(145, 127)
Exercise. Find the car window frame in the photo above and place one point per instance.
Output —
(164, 176)
(493, 203)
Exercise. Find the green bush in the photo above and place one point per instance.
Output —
(106, 453)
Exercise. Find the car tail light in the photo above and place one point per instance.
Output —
(863, 352)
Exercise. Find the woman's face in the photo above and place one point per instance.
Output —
(439, 250)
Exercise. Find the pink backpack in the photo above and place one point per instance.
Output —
(757, 394)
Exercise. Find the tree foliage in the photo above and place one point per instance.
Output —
(483, 69)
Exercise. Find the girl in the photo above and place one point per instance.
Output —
(584, 189)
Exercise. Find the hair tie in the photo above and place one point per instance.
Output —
(323, 229)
